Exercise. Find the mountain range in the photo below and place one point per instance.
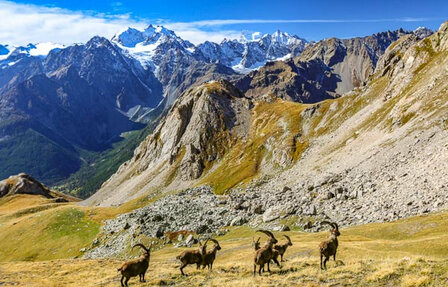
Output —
(64, 108)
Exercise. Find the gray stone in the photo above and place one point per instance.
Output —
(237, 221)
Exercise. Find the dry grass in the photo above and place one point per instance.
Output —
(279, 122)
(409, 252)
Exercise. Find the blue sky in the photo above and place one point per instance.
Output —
(76, 21)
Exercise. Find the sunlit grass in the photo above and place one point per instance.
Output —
(410, 252)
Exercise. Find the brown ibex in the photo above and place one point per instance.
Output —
(135, 267)
(266, 253)
(192, 256)
(329, 247)
(210, 255)
(281, 247)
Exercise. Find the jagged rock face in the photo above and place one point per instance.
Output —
(286, 80)
(197, 130)
(23, 184)
(244, 55)
(81, 93)
(157, 49)
(194, 75)
(200, 126)
(324, 70)
(122, 82)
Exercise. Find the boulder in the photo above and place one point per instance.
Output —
(237, 221)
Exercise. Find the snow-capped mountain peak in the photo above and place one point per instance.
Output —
(151, 45)
(249, 51)
(280, 37)
(131, 37)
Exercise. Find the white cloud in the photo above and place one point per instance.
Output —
(24, 23)
(196, 35)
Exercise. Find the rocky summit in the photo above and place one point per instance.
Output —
(25, 184)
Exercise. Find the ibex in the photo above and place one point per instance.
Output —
(329, 247)
(135, 267)
(281, 248)
(192, 256)
(266, 253)
(210, 255)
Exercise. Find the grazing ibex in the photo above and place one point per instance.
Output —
(329, 247)
(192, 256)
(210, 255)
(281, 247)
(135, 267)
(257, 245)
(266, 253)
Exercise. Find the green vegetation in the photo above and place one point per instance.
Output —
(27, 150)
(98, 167)
(58, 232)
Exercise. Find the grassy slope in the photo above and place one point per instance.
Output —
(410, 252)
(35, 228)
(243, 162)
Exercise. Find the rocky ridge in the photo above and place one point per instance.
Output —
(200, 127)
(84, 96)
(325, 70)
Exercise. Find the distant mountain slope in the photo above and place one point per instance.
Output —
(76, 97)
(322, 71)
(78, 100)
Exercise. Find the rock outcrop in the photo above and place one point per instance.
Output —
(25, 184)
(196, 210)
(200, 127)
